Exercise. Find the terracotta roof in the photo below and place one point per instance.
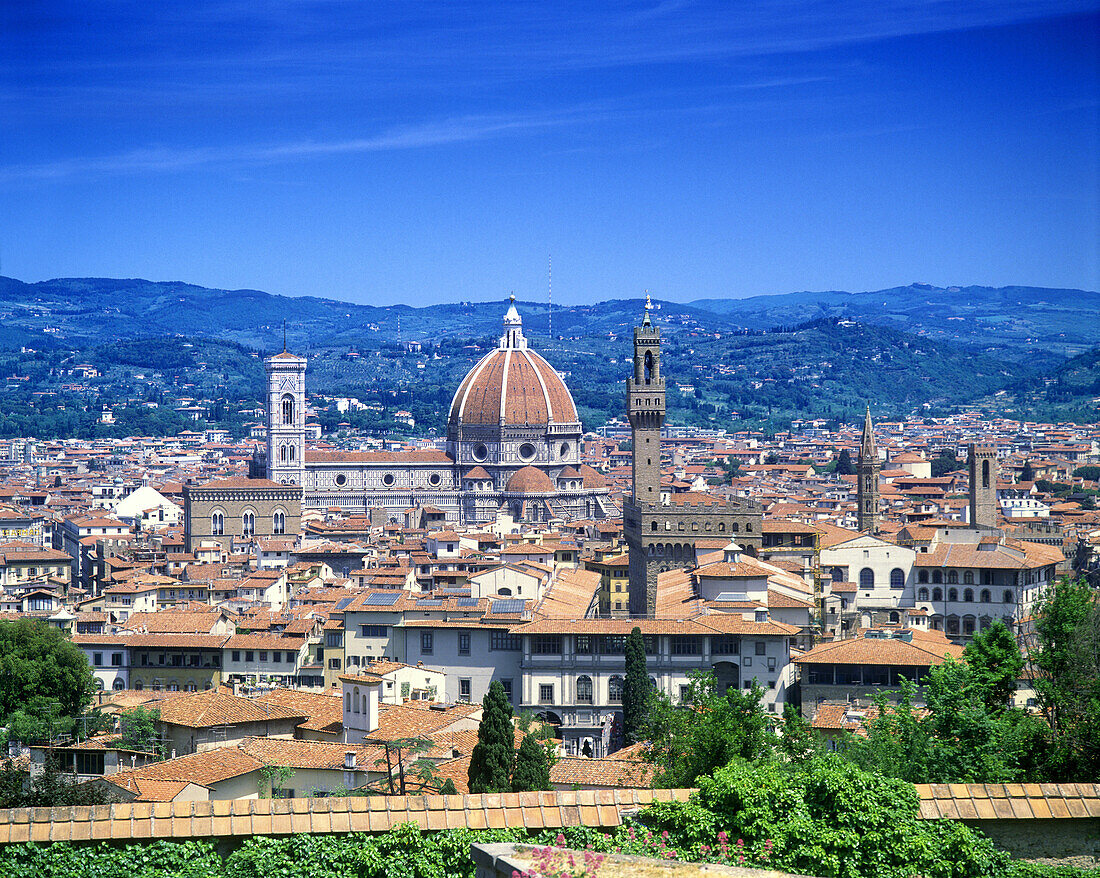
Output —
(928, 648)
(515, 387)
(530, 480)
(609, 772)
(213, 708)
(248, 817)
(397, 457)
(238, 482)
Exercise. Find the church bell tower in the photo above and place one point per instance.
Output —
(286, 418)
(867, 467)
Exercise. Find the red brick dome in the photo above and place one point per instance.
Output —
(530, 481)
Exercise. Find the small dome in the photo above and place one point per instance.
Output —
(530, 481)
(592, 478)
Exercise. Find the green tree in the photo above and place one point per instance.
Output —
(493, 755)
(796, 736)
(994, 659)
(1088, 473)
(943, 463)
(448, 788)
(844, 465)
(636, 687)
(138, 731)
(1065, 666)
(894, 743)
(41, 672)
(1027, 474)
(532, 772)
(705, 731)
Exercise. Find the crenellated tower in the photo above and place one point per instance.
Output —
(867, 468)
(982, 465)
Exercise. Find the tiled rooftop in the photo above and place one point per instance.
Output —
(240, 817)
(1013, 801)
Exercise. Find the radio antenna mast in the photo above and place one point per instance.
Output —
(550, 296)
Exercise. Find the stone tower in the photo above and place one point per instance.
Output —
(645, 407)
(286, 418)
(663, 533)
(982, 463)
(867, 467)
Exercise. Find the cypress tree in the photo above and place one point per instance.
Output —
(635, 686)
(494, 753)
(532, 770)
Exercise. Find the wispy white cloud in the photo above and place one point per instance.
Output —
(156, 159)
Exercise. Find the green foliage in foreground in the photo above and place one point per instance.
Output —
(841, 823)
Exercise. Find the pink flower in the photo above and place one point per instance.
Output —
(722, 837)
(560, 840)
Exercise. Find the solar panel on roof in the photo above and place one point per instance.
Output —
(467, 602)
(732, 596)
(429, 602)
(508, 605)
(342, 604)
(382, 599)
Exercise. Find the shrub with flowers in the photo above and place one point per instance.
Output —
(557, 862)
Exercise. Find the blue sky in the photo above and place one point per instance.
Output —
(420, 151)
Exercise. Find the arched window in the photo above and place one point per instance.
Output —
(355, 700)
(985, 473)
(985, 596)
(290, 452)
(248, 524)
(968, 595)
(897, 578)
(952, 594)
(922, 594)
(648, 367)
(937, 594)
(894, 617)
(347, 702)
(952, 625)
(837, 573)
(288, 409)
(968, 577)
(217, 524)
(584, 689)
(866, 578)
(952, 577)
(937, 576)
(968, 625)
(1008, 598)
(282, 454)
(615, 689)
(922, 576)
(364, 704)
(278, 522)
(119, 684)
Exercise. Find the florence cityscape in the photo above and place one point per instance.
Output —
(512, 441)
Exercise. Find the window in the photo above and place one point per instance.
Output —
(685, 694)
(427, 641)
(726, 644)
(1007, 598)
(952, 577)
(263, 655)
(937, 594)
(968, 625)
(464, 689)
(937, 576)
(584, 689)
(613, 644)
(334, 664)
(952, 594)
(968, 595)
(866, 578)
(374, 630)
(97, 659)
(685, 644)
(507, 684)
(922, 576)
(236, 655)
(116, 659)
(968, 577)
(761, 647)
(463, 644)
(897, 578)
(615, 689)
(248, 524)
(277, 656)
(505, 641)
(922, 594)
(290, 656)
(288, 409)
(217, 524)
(546, 693)
(249, 655)
(278, 522)
(546, 644)
(583, 644)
